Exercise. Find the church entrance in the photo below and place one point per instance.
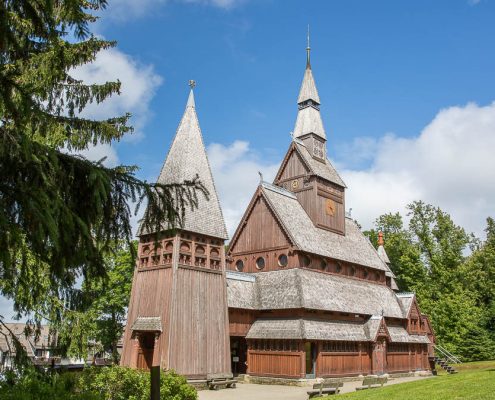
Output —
(310, 350)
(145, 351)
(238, 354)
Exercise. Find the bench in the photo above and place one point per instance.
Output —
(215, 381)
(372, 382)
(325, 387)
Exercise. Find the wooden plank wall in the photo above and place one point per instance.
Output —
(344, 364)
(240, 322)
(199, 341)
(276, 363)
(261, 231)
(150, 297)
(294, 168)
(399, 362)
(415, 359)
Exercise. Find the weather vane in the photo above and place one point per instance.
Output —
(192, 84)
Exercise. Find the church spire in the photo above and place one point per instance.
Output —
(187, 159)
(308, 118)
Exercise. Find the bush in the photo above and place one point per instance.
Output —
(36, 385)
(105, 383)
(120, 383)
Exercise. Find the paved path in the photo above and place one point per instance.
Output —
(250, 391)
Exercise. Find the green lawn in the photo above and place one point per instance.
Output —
(475, 381)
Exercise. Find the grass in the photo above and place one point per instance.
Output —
(475, 381)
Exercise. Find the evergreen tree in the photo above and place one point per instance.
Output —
(60, 213)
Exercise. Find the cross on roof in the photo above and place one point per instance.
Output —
(192, 84)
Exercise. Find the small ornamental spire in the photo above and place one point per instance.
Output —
(380, 238)
(190, 100)
(308, 51)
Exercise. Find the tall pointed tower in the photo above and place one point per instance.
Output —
(177, 315)
(306, 170)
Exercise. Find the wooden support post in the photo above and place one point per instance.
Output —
(155, 383)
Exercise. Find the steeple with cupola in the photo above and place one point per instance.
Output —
(306, 170)
(309, 126)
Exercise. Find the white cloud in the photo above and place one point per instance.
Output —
(96, 153)
(138, 86)
(450, 164)
(235, 171)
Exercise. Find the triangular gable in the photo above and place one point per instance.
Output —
(427, 324)
(382, 331)
(414, 312)
(294, 157)
(259, 203)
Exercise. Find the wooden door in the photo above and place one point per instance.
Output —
(310, 350)
(238, 354)
(145, 351)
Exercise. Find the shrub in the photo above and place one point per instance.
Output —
(121, 383)
(36, 385)
(106, 383)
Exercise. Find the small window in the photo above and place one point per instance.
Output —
(306, 261)
(365, 273)
(239, 265)
(352, 271)
(339, 267)
(260, 263)
(323, 264)
(283, 260)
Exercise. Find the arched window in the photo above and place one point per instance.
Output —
(239, 265)
(260, 263)
(283, 260)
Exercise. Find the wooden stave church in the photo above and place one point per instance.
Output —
(301, 293)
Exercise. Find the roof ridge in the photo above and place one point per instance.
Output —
(278, 189)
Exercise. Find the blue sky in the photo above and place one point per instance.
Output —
(380, 66)
(407, 90)
(383, 69)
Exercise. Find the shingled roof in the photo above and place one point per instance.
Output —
(302, 288)
(308, 89)
(186, 159)
(399, 335)
(308, 118)
(317, 329)
(30, 343)
(147, 324)
(323, 169)
(354, 247)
